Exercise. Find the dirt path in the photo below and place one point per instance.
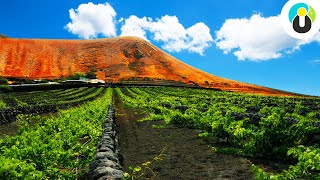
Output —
(187, 156)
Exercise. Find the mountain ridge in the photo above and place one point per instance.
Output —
(114, 59)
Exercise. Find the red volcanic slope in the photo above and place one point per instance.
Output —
(114, 58)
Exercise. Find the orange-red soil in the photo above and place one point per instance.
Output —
(114, 59)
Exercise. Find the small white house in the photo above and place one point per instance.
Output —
(97, 81)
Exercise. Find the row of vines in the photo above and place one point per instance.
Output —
(44, 102)
(283, 129)
(51, 97)
(56, 147)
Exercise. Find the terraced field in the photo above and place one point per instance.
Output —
(59, 96)
(42, 102)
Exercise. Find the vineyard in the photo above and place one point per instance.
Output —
(55, 147)
(275, 128)
(59, 130)
(42, 102)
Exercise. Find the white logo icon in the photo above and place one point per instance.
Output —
(301, 18)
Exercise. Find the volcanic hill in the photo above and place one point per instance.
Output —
(114, 59)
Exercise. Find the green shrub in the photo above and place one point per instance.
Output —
(91, 75)
(5, 88)
(3, 81)
(76, 76)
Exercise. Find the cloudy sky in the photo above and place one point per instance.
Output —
(236, 39)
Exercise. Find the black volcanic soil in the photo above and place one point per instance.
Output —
(186, 157)
(9, 129)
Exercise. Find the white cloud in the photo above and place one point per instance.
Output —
(134, 26)
(257, 38)
(120, 20)
(90, 20)
(168, 30)
(317, 61)
(201, 37)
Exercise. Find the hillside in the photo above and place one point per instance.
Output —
(114, 59)
(3, 36)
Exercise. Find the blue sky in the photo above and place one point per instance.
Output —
(262, 57)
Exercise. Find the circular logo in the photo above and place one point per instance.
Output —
(299, 18)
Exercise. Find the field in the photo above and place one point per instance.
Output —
(58, 146)
(41, 102)
(163, 133)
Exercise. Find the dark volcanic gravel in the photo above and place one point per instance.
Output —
(186, 156)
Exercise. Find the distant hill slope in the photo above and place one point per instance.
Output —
(3, 36)
(114, 59)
